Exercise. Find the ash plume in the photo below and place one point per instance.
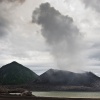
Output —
(61, 35)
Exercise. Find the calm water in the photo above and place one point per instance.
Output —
(68, 94)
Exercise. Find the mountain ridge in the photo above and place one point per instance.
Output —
(52, 80)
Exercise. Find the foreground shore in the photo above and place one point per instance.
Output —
(41, 98)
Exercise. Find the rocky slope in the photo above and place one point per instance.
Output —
(66, 78)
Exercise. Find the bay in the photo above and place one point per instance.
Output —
(68, 94)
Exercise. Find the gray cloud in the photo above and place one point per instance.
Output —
(93, 3)
(95, 56)
(61, 34)
(3, 26)
(20, 1)
(5, 22)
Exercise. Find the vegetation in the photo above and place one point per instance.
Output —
(16, 74)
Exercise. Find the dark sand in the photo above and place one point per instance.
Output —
(41, 98)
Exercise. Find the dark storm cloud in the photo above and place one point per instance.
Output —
(60, 33)
(95, 4)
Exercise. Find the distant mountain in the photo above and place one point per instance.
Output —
(16, 74)
(67, 78)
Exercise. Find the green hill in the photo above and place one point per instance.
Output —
(16, 74)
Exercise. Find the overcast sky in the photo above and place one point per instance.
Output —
(43, 34)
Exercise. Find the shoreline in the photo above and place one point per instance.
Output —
(6, 97)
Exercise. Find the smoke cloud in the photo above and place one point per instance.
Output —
(61, 35)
